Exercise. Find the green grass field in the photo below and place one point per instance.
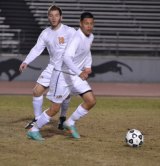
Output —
(102, 134)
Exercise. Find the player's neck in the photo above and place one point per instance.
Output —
(57, 27)
(87, 35)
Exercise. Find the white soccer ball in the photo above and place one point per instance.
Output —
(134, 138)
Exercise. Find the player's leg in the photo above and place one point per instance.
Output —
(37, 102)
(89, 101)
(42, 84)
(57, 94)
(44, 118)
(83, 108)
(61, 90)
(63, 112)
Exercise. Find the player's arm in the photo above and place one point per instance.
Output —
(22, 67)
(88, 64)
(88, 70)
(34, 52)
(69, 54)
(68, 59)
(83, 75)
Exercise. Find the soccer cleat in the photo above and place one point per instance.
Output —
(30, 124)
(72, 130)
(61, 121)
(35, 135)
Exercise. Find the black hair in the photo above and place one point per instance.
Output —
(54, 7)
(86, 15)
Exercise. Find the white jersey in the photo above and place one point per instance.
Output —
(54, 40)
(78, 55)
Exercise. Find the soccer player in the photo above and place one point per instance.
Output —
(70, 78)
(54, 38)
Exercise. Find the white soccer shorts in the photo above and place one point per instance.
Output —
(62, 85)
(45, 76)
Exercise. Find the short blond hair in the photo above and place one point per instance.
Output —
(54, 7)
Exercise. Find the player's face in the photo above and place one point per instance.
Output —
(87, 25)
(54, 18)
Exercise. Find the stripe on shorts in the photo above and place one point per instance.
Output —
(57, 83)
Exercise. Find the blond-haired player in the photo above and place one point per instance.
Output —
(54, 38)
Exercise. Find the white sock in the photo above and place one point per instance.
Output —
(42, 120)
(64, 107)
(77, 114)
(37, 106)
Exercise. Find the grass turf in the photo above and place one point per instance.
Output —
(102, 134)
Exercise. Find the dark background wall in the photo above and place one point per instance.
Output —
(127, 36)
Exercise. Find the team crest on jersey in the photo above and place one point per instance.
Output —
(61, 40)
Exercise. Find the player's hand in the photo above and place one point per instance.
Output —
(22, 67)
(83, 75)
(88, 70)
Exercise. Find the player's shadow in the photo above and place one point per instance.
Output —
(51, 129)
(48, 131)
(26, 119)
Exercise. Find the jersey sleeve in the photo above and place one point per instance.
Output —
(69, 55)
(36, 50)
(88, 62)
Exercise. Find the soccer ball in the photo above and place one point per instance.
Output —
(134, 138)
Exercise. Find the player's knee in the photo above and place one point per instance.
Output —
(38, 90)
(36, 93)
(93, 102)
(89, 101)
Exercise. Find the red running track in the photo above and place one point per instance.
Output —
(102, 89)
